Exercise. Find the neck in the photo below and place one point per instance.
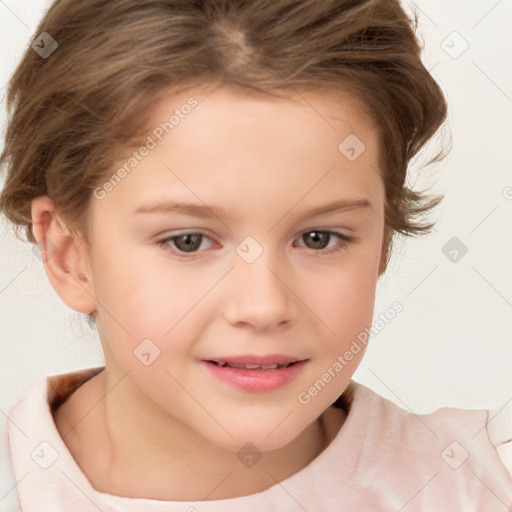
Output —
(140, 453)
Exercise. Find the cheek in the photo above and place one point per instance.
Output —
(156, 300)
(152, 303)
(346, 306)
(344, 303)
(343, 298)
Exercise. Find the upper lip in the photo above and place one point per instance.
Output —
(255, 359)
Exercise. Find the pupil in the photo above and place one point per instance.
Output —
(189, 242)
(319, 238)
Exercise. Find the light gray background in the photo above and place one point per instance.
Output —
(451, 344)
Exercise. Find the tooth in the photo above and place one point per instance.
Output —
(236, 365)
(273, 366)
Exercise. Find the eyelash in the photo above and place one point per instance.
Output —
(344, 239)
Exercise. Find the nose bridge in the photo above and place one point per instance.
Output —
(259, 295)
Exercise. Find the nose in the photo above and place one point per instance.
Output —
(260, 296)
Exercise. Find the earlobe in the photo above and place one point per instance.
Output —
(63, 255)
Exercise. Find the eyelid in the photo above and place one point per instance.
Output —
(343, 240)
(192, 231)
(165, 240)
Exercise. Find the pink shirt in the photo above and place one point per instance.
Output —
(384, 458)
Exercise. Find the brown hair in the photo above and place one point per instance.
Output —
(74, 113)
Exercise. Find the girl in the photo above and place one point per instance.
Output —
(217, 184)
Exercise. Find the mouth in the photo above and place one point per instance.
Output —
(256, 373)
(255, 362)
(242, 366)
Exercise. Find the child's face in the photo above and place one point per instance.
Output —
(265, 163)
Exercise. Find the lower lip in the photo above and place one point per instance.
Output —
(256, 380)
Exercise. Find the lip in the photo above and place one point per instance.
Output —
(256, 359)
(256, 380)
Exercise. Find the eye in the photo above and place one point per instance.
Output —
(185, 243)
(319, 240)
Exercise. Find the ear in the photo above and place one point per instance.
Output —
(65, 258)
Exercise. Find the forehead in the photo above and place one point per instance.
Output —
(327, 106)
(298, 124)
(254, 148)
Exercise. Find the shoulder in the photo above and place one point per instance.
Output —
(398, 420)
(30, 426)
(449, 448)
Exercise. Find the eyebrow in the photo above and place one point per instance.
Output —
(206, 212)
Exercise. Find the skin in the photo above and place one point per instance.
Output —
(172, 430)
